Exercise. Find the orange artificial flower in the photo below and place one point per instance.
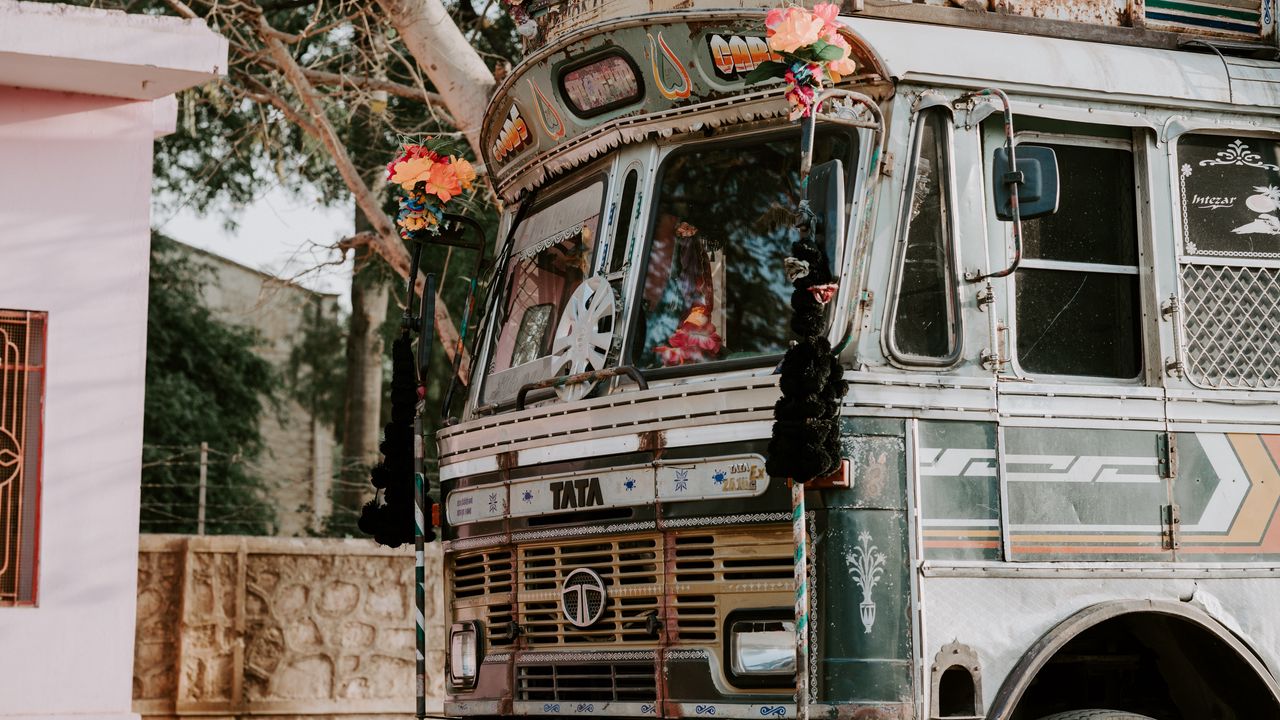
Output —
(443, 182)
(464, 170)
(413, 171)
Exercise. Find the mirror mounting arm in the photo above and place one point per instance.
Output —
(1012, 177)
(876, 123)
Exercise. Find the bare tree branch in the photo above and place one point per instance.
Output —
(385, 241)
(181, 8)
(367, 83)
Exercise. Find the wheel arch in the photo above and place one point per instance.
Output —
(1043, 650)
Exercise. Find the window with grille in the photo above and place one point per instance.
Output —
(22, 363)
(1229, 188)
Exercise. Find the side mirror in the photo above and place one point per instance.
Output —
(826, 199)
(1037, 186)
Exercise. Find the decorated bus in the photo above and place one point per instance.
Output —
(943, 385)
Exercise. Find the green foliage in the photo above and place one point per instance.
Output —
(204, 384)
(314, 375)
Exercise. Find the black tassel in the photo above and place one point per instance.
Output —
(806, 429)
(390, 521)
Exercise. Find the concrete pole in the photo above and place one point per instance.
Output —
(204, 484)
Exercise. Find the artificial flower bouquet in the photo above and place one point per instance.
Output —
(430, 180)
(812, 52)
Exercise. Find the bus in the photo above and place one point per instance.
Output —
(1058, 493)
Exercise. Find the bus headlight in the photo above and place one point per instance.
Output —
(762, 647)
(464, 654)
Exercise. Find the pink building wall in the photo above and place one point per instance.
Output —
(75, 187)
(83, 95)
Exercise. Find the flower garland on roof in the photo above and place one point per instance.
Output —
(812, 51)
(430, 180)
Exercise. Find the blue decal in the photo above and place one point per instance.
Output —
(767, 710)
(551, 707)
(527, 496)
(630, 484)
(585, 708)
(705, 709)
(682, 482)
(648, 709)
(718, 477)
(1266, 12)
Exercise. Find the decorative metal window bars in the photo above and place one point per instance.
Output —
(22, 370)
(1231, 326)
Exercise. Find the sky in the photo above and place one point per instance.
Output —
(277, 234)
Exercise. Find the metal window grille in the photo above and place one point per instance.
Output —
(22, 370)
(1231, 328)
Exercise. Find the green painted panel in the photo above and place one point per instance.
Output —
(959, 491)
(1080, 494)
(877, 466)
(862, 608)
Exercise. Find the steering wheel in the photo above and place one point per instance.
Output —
(580, 345)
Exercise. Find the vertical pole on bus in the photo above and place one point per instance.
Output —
(799, 529)
(799, 536)
(420, 518)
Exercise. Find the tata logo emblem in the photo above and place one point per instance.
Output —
(579, 493)
(582, 598)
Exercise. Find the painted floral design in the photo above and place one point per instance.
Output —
(866, 564)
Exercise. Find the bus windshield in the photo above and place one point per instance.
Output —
(551, 253)
(714, 287)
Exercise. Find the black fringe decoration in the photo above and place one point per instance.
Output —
(806, 429)
(388, 517)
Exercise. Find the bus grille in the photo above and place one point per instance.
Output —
(486, 578)
(632, 572)
(596, 682)
(689, 580)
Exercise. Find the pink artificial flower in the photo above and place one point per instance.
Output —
(844, 65)
(828, 12)
(797, 29)
(774, 18)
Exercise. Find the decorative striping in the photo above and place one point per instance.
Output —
(1223, 16)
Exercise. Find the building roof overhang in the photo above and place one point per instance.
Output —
(64, 48)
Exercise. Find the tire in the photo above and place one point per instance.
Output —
(1096, 714)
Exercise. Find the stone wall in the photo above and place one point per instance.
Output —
(243, 626)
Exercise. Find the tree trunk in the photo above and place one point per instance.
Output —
(370, 296)
(370, 293)
(456, 70)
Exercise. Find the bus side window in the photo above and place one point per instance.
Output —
(622, 239)
(1077, 291)
(925, 314)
